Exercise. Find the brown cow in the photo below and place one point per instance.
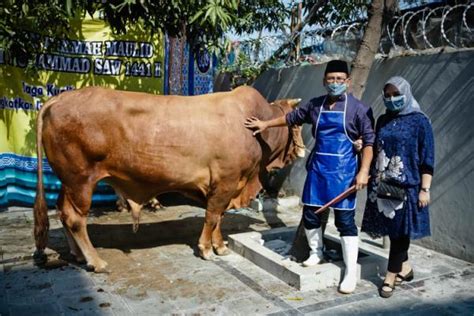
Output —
(144, 145)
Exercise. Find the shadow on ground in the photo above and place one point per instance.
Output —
(152, 234)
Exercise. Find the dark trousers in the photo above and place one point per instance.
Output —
(398, 253)
(344, 220)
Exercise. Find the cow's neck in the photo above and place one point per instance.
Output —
(276, 142)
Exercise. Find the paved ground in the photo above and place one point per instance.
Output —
(157, 271)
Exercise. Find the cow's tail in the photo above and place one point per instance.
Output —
(40, 209)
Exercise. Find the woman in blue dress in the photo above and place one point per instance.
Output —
(399, 189)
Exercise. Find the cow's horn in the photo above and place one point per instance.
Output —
(294, 102)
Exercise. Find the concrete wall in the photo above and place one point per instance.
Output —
(442, 84)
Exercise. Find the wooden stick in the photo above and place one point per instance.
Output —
(338, 198)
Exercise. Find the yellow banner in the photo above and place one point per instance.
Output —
(91, 55)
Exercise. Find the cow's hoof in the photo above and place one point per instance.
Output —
(205, 253)
(98, 267)
(39, 257)
(102, 270)
(222, 251)
(79, 258)
(154, 204)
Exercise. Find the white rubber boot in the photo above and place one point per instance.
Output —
(350, 250)
(315, 242)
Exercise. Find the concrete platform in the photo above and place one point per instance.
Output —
(252, 246)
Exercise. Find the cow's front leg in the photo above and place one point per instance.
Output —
(217, 241)
(205, 241)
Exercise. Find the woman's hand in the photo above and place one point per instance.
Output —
(423, 198)
(358, 145)
(256, 125)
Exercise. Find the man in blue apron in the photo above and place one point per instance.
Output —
(338, 119)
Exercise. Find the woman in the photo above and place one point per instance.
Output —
(399, 189)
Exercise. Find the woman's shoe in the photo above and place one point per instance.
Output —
(404, 278)
(386, 294)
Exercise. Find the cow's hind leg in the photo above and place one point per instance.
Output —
(74, 248)
(73, 207)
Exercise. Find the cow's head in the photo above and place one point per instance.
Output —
(295, 146)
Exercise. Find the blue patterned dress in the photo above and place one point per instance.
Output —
(404, 150)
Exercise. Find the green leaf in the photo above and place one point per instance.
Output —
(196, 16)
(68, 7)
(208, 11)
(24, 8)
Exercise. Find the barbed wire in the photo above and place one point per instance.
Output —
(422, 29)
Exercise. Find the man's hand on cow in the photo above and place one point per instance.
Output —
(362, 179)
(255, 124)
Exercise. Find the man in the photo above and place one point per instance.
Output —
(338, 119)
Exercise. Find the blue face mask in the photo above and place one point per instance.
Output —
(335, 89)
(394, 104)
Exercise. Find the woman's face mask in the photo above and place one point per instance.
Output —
(394, 103)
(336, 89)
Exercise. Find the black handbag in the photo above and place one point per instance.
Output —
(391, 191)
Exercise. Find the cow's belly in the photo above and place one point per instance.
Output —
(140, 185)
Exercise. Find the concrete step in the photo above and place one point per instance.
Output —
(254, 247)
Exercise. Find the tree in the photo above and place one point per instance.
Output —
(202, 22)
(331, 13)
(379, 12)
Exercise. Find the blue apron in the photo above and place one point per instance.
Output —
(333, 162)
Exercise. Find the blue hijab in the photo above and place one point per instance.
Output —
(411, 105)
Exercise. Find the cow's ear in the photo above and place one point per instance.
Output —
(294, 102)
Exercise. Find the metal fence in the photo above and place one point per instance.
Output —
(411, 31)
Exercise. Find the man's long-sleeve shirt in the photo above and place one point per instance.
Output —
(359, 118)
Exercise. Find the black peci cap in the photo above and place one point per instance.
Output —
(337, 66)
